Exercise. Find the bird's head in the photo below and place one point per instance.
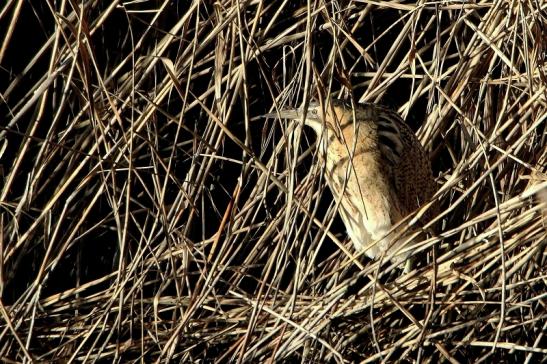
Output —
(318, 116)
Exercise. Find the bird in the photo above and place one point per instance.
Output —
(376, 169)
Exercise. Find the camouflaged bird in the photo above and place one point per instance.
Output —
(375, 167)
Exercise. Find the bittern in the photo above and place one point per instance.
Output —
(376, 169)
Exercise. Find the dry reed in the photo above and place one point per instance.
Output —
(149, 214)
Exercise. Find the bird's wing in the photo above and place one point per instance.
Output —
(409, 167)
(412, 175)
(390, 140)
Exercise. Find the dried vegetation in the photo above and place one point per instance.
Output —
(148, 213)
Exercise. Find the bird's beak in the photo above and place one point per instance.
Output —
(291, 113)
(285, 114)
(310, 119)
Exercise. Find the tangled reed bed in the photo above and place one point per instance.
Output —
(147, 213)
